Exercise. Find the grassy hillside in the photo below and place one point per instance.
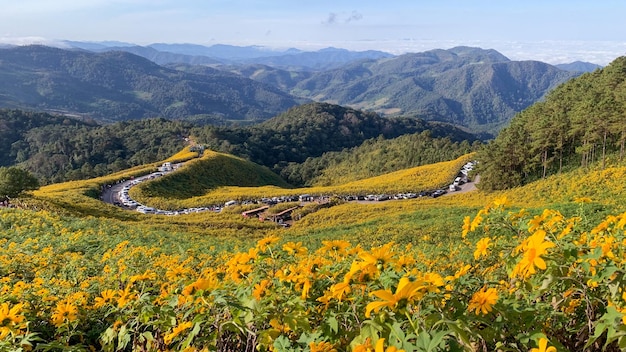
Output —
(376, 157)
(211, 171)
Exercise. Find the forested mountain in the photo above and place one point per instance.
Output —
(57, 148)
(310, 130)
(116, 86)
(471, 87)
(581, 122)
(579, 66)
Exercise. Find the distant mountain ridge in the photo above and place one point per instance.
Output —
(116, 86)
(291, 58)
(479, 89)
(472, 87)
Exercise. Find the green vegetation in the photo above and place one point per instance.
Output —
(580, 123)
(538, 264)
(310, 130)
(375, 157)
(211, 171)
(56, 148)
(14, 181)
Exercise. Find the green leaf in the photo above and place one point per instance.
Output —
(333, 324)
(123, 337)
(437, 339)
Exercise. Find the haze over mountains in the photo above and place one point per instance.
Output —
(474, 88)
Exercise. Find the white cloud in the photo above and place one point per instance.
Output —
(20, 41)
(343, 17)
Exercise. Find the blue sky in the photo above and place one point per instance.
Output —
(551, 31)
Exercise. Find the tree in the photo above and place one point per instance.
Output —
(14, 181)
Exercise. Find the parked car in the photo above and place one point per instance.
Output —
(438, 193)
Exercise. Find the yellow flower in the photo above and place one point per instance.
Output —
(339, 290)
(147, 275)
(364, 347)
(543, 346)
(176, 331)
(335, 247)
(65, 311)
(378, 257)
(263, 244)
(259, 289)
(534, 247)
(462, 271)
(501, 202)
(483, 301)
(125, 296)
(200, 284)
(322, 347)
(405, 262)
(294, 248)
(10, 319)
(476, 222)
(106, 297)
(481, 247)
(380, 347)
(466, 226)
(406, 292)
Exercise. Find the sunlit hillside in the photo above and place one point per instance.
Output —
(222, 189)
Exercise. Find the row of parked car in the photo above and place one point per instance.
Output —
(130, 203)
(127, 201)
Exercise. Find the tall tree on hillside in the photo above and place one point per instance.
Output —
(580, 119)
(615, 81)
(14, 181)
(620, 122)
(504, 163)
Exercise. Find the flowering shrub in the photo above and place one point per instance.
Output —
(513, 281)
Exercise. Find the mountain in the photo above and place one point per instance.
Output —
(292, 59)
(472, 87)
(320, 60)
(163, 57)
(117, 85)
(222, 51)
(94, 46)
(579, 66)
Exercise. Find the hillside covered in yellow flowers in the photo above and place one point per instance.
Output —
(536, 267)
